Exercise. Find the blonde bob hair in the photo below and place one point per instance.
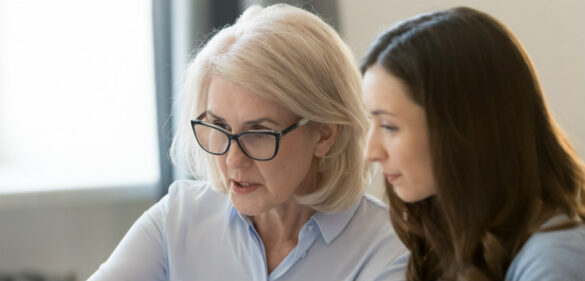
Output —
(293, 58)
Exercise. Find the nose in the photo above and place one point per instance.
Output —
(236, 158)
(374, 151)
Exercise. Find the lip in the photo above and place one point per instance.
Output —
(239, 188)
(392, 177)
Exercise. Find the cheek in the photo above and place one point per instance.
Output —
(401, 153)
(295, 163)
(290, 167)
(422, 167)
(411, 157)
(220, 163)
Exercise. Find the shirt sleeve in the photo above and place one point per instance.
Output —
(397, 269)
(551, 256)
(141, 254)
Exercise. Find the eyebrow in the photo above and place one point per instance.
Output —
(250, 122)
(381, 112)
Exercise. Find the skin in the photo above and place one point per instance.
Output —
(265, 190)
(399, 138)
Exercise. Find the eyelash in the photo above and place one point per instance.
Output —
(389, 129)
(221, 125)
(258, 127)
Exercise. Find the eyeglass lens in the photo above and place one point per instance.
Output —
(254, 144)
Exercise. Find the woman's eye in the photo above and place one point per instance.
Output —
(260, 137)
(221, 125)
(389, 129)
(260, 128)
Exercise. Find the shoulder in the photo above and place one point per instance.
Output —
(193, 190)
(372, 213)
(552, 255)
(377, 239)
(374, 201)
(192, 197)
(372, 205)
(372, 217)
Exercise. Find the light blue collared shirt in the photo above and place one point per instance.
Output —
(195, 233)
(551, 255)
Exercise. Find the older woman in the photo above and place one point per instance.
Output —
(273, 121)
(482, 183)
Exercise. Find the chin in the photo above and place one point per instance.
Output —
(410, 197)
(244, 206)
(246, 210)
(407, 199)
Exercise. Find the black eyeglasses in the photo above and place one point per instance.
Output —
(261, 145)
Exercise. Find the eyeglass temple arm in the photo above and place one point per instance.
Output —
(293, 126)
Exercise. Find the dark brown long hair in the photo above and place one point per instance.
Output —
(501, 163)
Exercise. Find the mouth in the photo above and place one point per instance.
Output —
(243, 187)
(392, 177)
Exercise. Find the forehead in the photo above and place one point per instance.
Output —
(384, 91)
(234, 101)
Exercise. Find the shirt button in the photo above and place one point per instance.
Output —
(311, 227)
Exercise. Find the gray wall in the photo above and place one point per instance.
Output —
(68, 232)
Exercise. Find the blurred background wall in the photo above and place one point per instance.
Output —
(71, 232)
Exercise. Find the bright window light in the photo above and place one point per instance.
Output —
(77, 101)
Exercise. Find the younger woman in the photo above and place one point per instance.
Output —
(481, 181)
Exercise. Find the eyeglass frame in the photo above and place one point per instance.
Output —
(277, 134)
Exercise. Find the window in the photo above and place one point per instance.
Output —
(77, 95)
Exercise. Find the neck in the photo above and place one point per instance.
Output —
(279, 229)
(283, 222)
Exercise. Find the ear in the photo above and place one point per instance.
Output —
(327, 137)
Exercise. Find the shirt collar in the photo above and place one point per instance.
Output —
(330, 225)
(232, 213)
